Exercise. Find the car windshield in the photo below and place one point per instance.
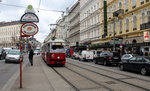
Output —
(14, 52)
(147, 59)
(58, 49)
(37, 51)
(7, 50)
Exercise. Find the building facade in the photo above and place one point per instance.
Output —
(74, 24)
(89, 21)
(9, 34)
(127, 20)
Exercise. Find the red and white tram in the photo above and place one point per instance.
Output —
(53, 52)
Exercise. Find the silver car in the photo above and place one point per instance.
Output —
(13, 56)
(126, 57)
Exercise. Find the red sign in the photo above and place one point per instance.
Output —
(146, 36)
(29, 29)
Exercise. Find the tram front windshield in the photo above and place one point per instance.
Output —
(57, 49)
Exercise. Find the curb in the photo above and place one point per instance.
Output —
(12, 80)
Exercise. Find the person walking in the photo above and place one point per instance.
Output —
(31, 57)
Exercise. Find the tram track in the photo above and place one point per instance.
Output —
(114, 72)
(98, 86)
(123, 79)
(74, 87)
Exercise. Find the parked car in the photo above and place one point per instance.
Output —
(86, 55)
(13, 56)
(2, 53)
(75, 55)
(7, 50)
(126, 57)
(37, 51)
(96, 53)
(107, 58)
(69, 52)
(138, 63)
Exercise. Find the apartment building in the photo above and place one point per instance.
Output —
(89, 21)
(9, 34)
(74, 24)
(127, 20)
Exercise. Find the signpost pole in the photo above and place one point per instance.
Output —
(27, 29)
(20, 61)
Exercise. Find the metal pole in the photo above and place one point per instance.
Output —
(20, 61)
(114, 47)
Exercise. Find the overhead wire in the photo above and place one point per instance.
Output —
(46, 9)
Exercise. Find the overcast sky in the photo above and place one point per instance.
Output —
(12, 11)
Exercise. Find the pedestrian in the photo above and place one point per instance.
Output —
(31, 57)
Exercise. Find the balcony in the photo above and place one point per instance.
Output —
(145, 26)
(116, 13)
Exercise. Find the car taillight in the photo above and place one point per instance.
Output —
(109, 57)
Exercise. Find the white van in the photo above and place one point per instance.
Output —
(86, 55)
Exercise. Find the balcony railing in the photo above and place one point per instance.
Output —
(116, 13)
(145, 26)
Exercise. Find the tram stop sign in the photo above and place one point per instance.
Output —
(29, 29)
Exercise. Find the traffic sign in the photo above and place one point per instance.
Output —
(146, 36)
(29, 29)
(29, 17)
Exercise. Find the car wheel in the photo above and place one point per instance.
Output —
(6, 61)
(95, 61)
(121, 67)
(105, 63)
(143, 71)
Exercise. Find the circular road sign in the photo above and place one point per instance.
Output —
(29, 29)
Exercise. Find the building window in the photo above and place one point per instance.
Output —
(120, 26)
(114, 31)
(120, 5)
(142, 1)
(126, 4)
(148, 14)
(134, 23)
(127, 25)
(133, 3)
(143, 18)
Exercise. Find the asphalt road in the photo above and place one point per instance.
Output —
(7, 70)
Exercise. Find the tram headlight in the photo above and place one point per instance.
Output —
(58, 57)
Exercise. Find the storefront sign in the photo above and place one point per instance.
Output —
(146, 36)
(29, 17)
(29, 29)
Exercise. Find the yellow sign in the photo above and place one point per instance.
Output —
(58, 44)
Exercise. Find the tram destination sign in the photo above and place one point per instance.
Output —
(29, 29)
(29, 17)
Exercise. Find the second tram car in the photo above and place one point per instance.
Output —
(53, 52)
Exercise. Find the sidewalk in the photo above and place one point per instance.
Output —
(40, 77)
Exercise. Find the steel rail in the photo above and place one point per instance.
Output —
(112, 78)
